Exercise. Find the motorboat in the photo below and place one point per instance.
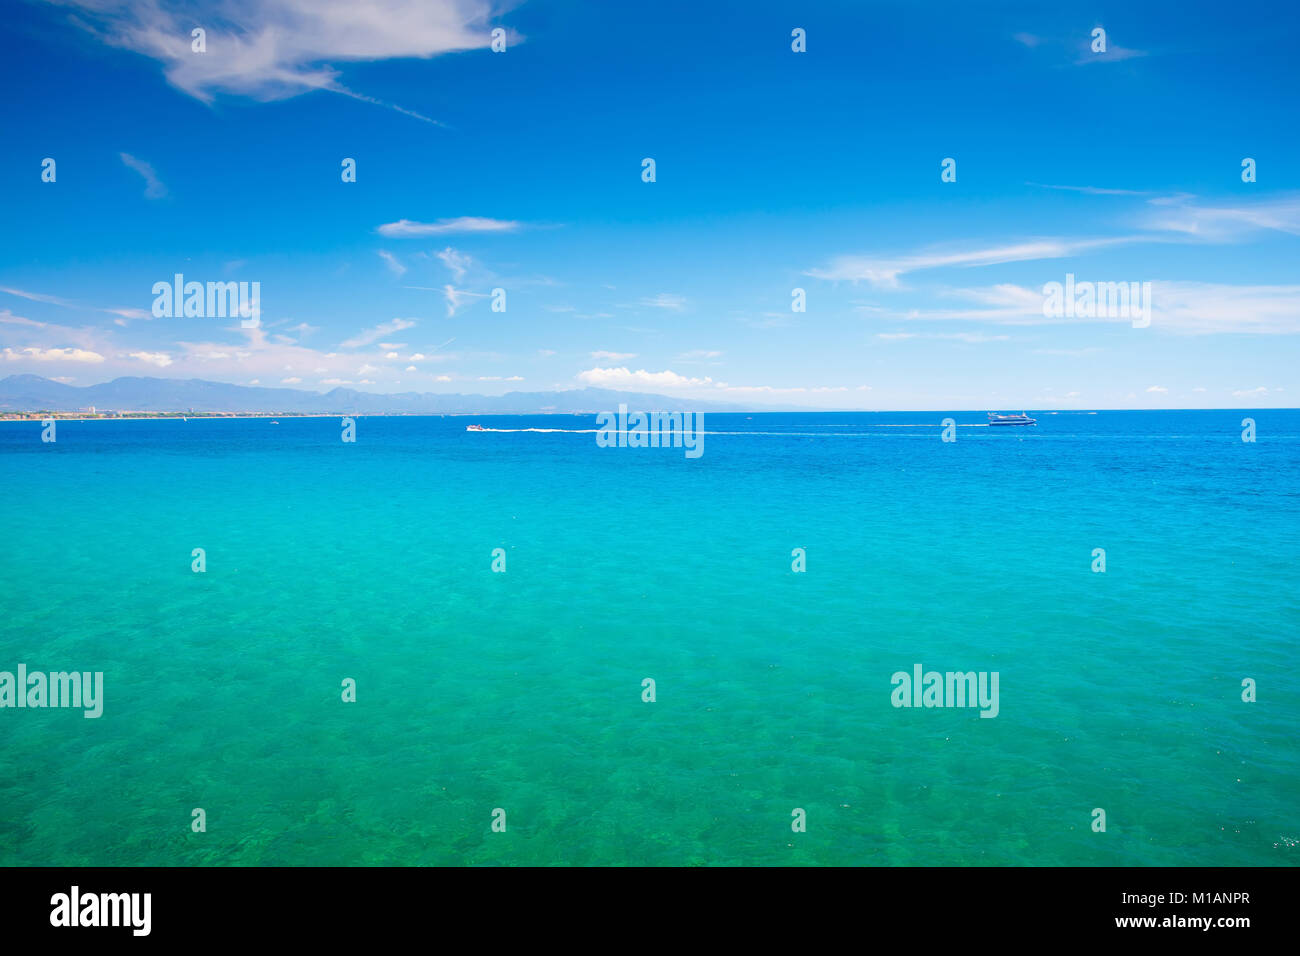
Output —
(1021, 419)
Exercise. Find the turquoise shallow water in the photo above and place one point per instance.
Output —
(522, 690)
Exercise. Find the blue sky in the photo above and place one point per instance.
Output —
(775, 170)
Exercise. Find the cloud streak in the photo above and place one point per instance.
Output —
(1192, 308)
(409, 229)
(52, 355)
(391, 260)
(370, 336)
(153, 187)
(274, 49)
(885, 273)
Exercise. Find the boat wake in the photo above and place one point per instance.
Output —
(567, 431)
(593, 431)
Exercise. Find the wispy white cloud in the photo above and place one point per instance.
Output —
(777, 390)
(52, 355)
(1183, 307)
(625, 378)
(378, 332)
(970, 338)
(612, 356)
(664, 300)
(457, 262)
(274, 49)
(393, 264)
(128, 314)
(1094, 190)
(1220, 223)
(153, 187)
(257, 354)
(68, 304)
(409, 229)
(160, 359)
(8, 318)
(1179, 218)
(1113, 54)
(455, 298)
(1072, 353)
(1207, 307)
(885, 272)
(668, 380)
(384, 103)
(40, 297)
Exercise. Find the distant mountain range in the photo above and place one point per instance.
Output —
(32, 393)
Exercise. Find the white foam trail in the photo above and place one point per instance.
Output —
(566, 431)
(593, 431)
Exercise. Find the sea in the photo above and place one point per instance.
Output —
(434, 646)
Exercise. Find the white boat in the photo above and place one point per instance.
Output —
(1021, 419)
(474, 428)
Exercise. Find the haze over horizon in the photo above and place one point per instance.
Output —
(775, 170)
(147, 393)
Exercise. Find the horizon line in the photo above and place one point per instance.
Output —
(739, 407)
